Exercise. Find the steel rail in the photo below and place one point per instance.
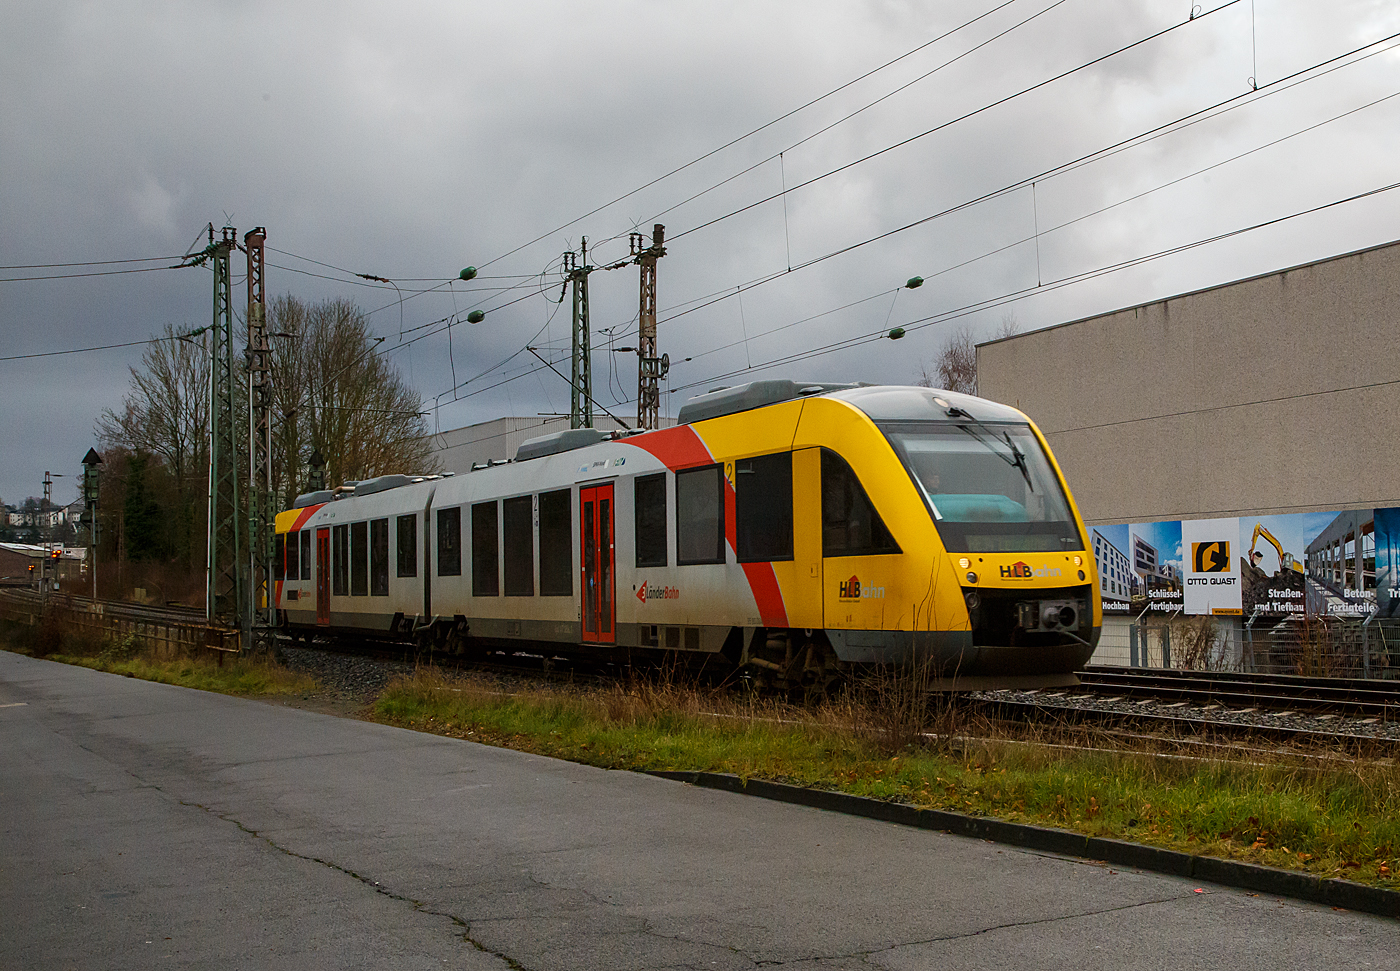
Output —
(1326, 695)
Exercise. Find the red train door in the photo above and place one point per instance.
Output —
(599, 605)
(323, 576)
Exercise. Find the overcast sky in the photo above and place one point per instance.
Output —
(412, 139)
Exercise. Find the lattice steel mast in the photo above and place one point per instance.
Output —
(260, 608)
(576, 271)
(224, 598)
(650, 368)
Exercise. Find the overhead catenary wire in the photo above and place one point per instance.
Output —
(847, 117)
(734, 141)
(55, 266)
(1180, 123)
(1000, 299)
(1012, 296)
(963, 117)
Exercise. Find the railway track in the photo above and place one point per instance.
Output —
(1275, 693)
(1185, 702)
(163, 613)
(1315, 710)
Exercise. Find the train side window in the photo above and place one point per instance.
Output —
(518, 527)
(486, 568)
(650, 503)
(449, 539)
(850, 524)
(407, 529)
(305, 556)
(279, 558)
(700, 515)
(763, 508)
(359, 559)
(379, 558)
(292, 562)
(340, 560)
(557, 544)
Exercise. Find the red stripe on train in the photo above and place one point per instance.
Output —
(680, 448)
(306, 513)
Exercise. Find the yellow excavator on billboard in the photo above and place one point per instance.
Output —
(1285, 560)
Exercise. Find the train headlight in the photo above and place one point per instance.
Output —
(1079, 561)
(964, 562)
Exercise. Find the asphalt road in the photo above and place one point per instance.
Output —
(145, 826)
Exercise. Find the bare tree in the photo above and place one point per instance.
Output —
(955, 368)
(334, 393)
(165, 415)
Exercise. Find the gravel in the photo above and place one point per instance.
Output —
(345, 676)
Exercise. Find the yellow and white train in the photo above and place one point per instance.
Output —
(793, 529)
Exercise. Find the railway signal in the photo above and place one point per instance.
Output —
(91, 481)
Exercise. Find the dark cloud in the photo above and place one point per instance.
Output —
(411, 140)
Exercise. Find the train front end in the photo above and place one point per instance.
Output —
(971, 554)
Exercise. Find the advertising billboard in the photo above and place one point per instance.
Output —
(1211, 574)
(1339, 563)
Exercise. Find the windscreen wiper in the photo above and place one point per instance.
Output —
(1017, 458)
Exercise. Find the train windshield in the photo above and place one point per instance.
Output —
(988, 485)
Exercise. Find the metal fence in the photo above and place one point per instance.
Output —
(165, 637)
(1311, 646)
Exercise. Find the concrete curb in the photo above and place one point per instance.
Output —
(1230, 873)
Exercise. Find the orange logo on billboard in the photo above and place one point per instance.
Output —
(1210, 557)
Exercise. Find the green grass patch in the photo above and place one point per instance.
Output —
(233, 677)
(1339, 820)
(57, 641)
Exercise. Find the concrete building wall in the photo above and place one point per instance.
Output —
(459, 448)
(1275, 394)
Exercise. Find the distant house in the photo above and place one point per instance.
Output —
(17, 558)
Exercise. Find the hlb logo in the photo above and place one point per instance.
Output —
(1210, 557)
(1023, 571)
(852, 590)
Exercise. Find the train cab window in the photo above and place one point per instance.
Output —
(763, 508)
(518, 527)
(340, 560)
(279, 557)
(850, 524)
(379, 558)
(486, 568)
(359, 559)
(700, 515)
(449, 542)
(305, 556)
(557, 544)
(649, 493)
(291, 561)
(407, 531)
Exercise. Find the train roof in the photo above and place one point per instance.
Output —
(880, 402)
